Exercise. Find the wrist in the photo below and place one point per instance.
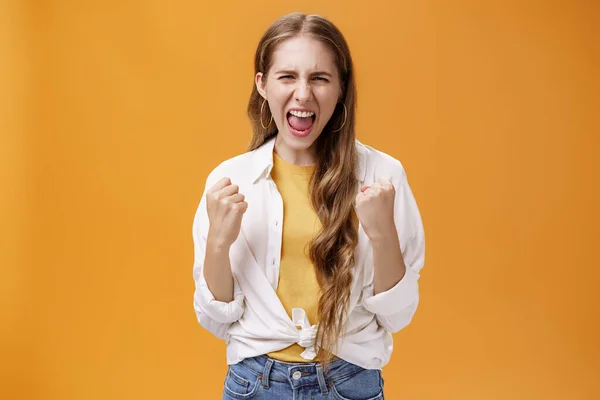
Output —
(216, 245)
(384, 237)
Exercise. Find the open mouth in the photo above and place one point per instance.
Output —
(300, 123)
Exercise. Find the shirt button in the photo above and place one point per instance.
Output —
(297, 375)
(276, 223)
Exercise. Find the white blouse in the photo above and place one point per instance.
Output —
(256, 322)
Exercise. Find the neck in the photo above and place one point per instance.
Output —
(302, 157)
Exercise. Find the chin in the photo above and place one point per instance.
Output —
(299, 142)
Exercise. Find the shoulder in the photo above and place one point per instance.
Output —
(236, 168)
(378, 164)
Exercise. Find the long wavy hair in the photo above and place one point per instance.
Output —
(333, 185)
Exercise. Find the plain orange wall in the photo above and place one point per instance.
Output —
(114, 112)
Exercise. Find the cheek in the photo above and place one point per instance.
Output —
(327, 103)
(277, 97)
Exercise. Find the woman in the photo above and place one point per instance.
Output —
(308, 247)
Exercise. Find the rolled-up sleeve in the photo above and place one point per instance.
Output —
(214, 315)
(395, 308)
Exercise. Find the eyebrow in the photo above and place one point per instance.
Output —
(290, 72)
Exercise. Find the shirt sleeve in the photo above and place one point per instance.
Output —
(395, 308)
(215, 316)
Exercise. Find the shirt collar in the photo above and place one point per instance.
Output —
(262, 161)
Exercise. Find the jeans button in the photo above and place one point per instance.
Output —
(296, 375)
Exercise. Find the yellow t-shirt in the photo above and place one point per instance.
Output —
(298, 285)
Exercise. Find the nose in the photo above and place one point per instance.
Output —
(303, 93)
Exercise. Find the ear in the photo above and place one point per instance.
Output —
(261, 84)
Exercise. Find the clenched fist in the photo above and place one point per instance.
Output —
(225, 208)
(375, 209)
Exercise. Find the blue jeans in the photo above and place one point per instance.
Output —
(264, 378)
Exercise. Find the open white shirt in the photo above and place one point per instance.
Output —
(256, 322)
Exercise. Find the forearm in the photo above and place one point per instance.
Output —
(217, 271)
(388, 261)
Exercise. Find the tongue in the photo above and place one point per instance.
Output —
(299, 123)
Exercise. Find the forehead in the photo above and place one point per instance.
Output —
(303, 53)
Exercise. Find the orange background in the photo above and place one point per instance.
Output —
(113, 113)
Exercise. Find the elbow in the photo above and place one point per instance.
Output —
(219, 311)
(396, 322)
(217, 329)
(217, 316)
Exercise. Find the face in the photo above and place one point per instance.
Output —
(302, 88)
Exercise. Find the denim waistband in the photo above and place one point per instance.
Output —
(300, 373)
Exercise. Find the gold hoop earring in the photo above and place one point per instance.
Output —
(260, 116)
(345, 116)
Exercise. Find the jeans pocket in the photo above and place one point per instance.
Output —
(241, 382)
(364, 385)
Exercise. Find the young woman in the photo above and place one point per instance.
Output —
(308, 247)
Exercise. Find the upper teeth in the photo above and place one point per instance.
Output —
(302, 114)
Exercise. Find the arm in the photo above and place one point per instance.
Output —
(217, 270)
(212, 267)
(391, 288)
(387, 261)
